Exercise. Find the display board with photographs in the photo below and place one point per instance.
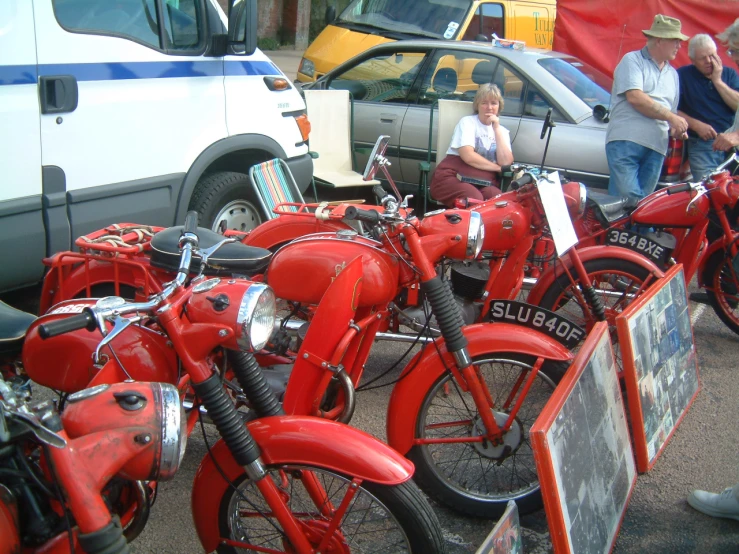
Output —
(660, 364)
(583, 452)
(505, 538)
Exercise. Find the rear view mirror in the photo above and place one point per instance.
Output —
(378, 152)
(601, 113)
(330, 14)
(242, 27)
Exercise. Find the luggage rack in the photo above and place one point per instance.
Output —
(119, 239)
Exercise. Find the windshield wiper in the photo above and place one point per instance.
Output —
(383, 31)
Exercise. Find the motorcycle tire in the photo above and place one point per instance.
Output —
(613, 278)
(380, 518)
(718, 276)
(478, 478)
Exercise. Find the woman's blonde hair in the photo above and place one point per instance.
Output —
(489, 91)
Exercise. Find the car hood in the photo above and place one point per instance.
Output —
(335, 45)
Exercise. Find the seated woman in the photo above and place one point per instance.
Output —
(480, 146)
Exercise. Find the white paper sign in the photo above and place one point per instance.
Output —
(558, 216)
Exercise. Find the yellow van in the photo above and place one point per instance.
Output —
(365, 23)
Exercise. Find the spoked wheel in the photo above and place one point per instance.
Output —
(379, 518)
(479, 478)
(722, 286)
(617, 283)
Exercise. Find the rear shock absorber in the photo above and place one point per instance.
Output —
(254, 384)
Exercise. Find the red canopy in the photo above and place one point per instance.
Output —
(600, 33)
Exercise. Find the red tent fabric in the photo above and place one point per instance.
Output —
(600, 33)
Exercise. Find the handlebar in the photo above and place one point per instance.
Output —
(85, 320)
(369, 216)
(525, 179)
(684, 187)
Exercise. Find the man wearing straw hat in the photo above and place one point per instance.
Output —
(645, 96)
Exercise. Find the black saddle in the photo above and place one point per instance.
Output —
(608, 208)
(231, 258)
(13, 326)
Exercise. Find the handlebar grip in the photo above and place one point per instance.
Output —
(679, 188)
(191, 222)
(85, 320)
(378, 191)
(370, 216)
(525, 179)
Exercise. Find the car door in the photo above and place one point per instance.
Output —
(147, 102)
(379, 87)
(22, 235)
(453, 74)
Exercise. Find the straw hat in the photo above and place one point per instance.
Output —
(665, 27)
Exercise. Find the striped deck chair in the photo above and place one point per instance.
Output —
(275, 183)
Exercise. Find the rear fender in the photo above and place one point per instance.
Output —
(427, 366)
(586, 254)
(293, 440)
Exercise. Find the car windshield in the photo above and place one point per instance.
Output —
(587, 83)
(432, 18)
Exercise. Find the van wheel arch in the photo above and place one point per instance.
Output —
(231, 155)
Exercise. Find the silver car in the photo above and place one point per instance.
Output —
(395, 87)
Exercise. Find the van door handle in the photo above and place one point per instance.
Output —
(388, 118)
(58, 93)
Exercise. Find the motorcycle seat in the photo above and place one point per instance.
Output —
(609, 208)
(231, 258)
(13, 326)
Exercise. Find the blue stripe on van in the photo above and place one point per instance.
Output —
(25, 74)
(18, 74)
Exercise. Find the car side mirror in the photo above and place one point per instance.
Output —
(242, 27)
(601, 113)
(482, 38)
(330, 14)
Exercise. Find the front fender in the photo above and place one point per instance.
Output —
(420, 374)
(712, 248)
(587, 254)
(299, 440)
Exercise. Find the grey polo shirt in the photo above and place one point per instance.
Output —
(637, 70)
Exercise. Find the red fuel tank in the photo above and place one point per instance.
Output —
(671, 210)
(303, 270)
(65, 362)
(506, 223)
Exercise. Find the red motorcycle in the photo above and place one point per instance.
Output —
(66, 481)
(691, 223)
(277, 484)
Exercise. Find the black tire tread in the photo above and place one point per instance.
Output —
(712, 266)
(210, 188)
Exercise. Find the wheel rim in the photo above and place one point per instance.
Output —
(367, 526)
(238, 215)
(484, 472)
(616, 289)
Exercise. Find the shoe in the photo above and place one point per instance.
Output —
(700, 297)
(724, 504)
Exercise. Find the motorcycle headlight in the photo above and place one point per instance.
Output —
(256, 317)
(174, 429)
(475, 236)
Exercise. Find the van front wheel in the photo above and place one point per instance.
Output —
(225, 200)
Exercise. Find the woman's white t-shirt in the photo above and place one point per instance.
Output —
(470, 131)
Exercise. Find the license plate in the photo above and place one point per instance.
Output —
(553, 325)
(639, 243)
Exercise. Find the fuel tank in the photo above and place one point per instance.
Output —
(302, 270)
(506, 223)
(671, 210)
(65, 362)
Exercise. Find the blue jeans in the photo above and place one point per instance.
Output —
(702, 158)
(634, 168)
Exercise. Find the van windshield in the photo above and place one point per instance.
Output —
(589, 85)
(429, 18)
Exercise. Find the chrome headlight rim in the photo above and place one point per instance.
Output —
(174, 429)
(475, 236)
(583, 199)
(251, 339)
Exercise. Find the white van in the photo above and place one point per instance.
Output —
(134, 110)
